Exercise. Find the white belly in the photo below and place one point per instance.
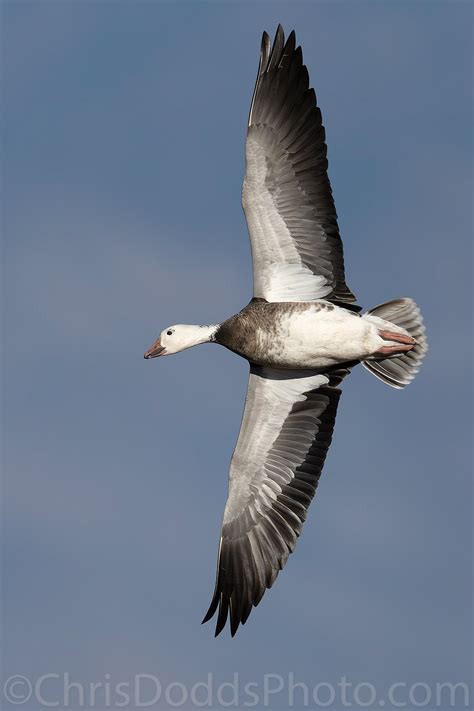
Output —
(319, 338)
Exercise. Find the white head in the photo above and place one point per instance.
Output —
(177, 338)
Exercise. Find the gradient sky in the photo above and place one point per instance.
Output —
(123, 137)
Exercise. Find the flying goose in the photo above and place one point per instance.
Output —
(301, 333)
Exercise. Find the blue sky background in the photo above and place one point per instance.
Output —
(123, 136)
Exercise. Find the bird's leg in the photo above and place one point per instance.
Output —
(401, 343)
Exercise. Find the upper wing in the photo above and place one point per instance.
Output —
(284, 437)
(296, 247)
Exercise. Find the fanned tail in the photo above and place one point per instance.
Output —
(397, 371)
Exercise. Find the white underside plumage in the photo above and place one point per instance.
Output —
(320, 337)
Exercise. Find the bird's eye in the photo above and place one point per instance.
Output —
(169, 333)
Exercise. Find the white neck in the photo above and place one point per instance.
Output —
(201, 334)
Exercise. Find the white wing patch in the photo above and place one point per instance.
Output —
(279, 273)
(293, 282)
(270, 399)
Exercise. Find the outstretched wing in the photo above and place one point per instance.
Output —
(284, 438)
(296, 247)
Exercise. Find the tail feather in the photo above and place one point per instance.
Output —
(399, 370)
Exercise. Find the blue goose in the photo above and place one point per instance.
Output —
(301, 333)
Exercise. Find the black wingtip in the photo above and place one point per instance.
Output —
(208, 616)
(278, 44)
(290, 45)
(212, 608)
(265, 49)
(221, 616)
